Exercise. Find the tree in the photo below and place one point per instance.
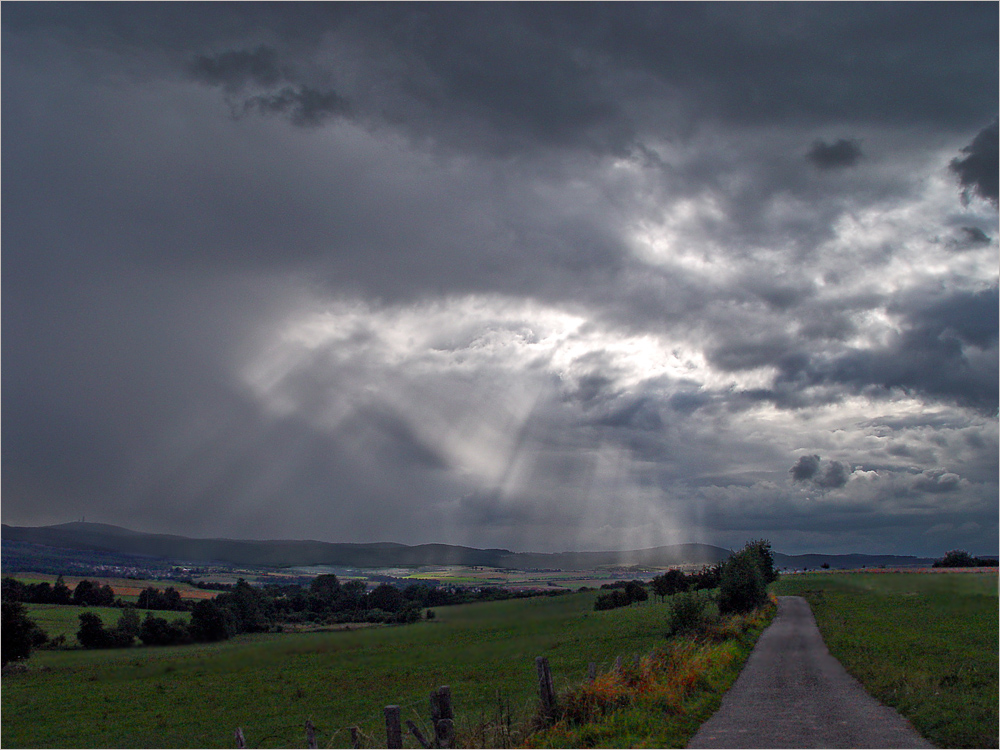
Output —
(325, 587)
(742, 586)
(92, 633)
(19, 634)
(669, 583)
(156, 631)
(386, 597)
(352, 595)
(761, 550)
(208, 623)
(246, 609)
(83, 594)
(61, 593)
(636, 592)
(12, 590)
(128, 626)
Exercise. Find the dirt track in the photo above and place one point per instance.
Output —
(793, 693)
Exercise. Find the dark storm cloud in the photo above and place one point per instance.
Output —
(236, 69)
(805, 468)
(835, 475)
(841, 153)
(504, 78)
(974, 236)
(978, 172)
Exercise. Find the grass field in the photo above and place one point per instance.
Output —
(64, 619)
(196, 696)
(924, 644)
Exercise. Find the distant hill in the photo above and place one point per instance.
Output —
(849, 562)
(281, 553)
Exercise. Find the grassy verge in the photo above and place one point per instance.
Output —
(924, 644)
(663, 700)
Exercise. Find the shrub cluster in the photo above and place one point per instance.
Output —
(687, 611)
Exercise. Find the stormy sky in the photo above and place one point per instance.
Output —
(542, 277)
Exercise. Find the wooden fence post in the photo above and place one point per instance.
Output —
(240, 742)
(618, 665)
(310, 734)
(442, 717)
(393, 732)
(592, 671)
(546, 691)
(355, 738)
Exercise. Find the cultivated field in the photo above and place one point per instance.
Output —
(128, 589)
(924, 644)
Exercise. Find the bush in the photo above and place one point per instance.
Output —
(742, 586)
(687, 611)
(612, 600)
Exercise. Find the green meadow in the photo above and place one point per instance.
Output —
(925, 644)
(196, 696)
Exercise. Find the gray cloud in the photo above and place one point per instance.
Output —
(977, 172)
(841, 153)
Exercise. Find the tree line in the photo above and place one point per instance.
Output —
(240, 609)
(959, 558)
(741, 579)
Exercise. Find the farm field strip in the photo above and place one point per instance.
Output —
(123, 587)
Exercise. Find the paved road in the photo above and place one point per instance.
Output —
(793, 693)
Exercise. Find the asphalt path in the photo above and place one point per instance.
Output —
(793, 693)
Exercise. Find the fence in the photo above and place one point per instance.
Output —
(442, 718)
